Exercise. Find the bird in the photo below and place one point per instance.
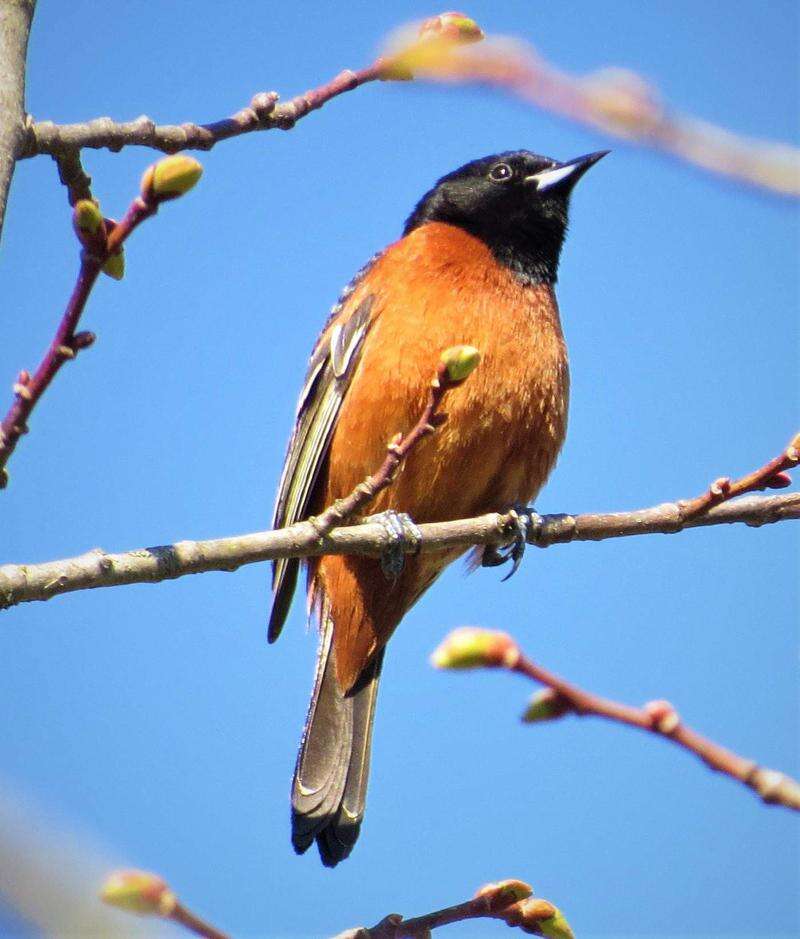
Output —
(476, 265)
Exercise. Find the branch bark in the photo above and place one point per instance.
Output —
(21, 583)
(263, 113)
(15, 25)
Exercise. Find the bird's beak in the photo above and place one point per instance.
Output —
(563, 176)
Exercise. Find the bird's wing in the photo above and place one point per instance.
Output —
(330, 371)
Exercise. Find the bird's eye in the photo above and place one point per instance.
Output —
(501, 172)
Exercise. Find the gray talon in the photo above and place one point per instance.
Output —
(402, 533)
(523, 520)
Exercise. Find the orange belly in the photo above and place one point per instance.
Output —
(504, 426)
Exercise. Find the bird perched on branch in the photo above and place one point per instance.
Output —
(476, 265)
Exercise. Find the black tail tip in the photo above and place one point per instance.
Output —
(334, 841)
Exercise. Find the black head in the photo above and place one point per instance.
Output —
(515, 202)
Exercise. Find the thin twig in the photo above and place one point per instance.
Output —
(263, 113)
(22, 583)
(473, 647)
(397, 450)
(102, 245)
(66, 343)
(73, 176)
(661, 718)
(189, 920)
(772, 475)
(510, 901)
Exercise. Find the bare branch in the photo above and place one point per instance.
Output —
(263, 113)
(471, 647)
(22, 583)
(509, 900)
(73, 176)
(15, 25)
(615, 101)
(101, 246)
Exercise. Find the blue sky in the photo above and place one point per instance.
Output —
(156, 720)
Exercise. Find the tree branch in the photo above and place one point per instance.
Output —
(509, 900)
(263, 113)
(22, 583)
(471, 647)
(615, 101)
(147, 894)
(15, 26)
(102, 241)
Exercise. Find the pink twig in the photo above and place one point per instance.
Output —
(473, 647)
(397, 450)
(771, 475)
(28, 389)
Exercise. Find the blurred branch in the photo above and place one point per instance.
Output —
(471, 647)
(47, 875)
(102, 241)
(615, 101)
(15, 24)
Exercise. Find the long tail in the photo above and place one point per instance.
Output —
(330, 780)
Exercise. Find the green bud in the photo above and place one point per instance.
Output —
(87, 217)
(556, 927)
(460, 361)
(457, 27)
(138, 892)
(171, 177)
(472, 647)
(544, 705)
(114, 265)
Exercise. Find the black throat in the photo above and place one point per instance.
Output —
(529, 247)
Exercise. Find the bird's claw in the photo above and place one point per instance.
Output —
(522, 519)
(403, 533)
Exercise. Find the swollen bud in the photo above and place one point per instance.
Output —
(538, 918)
(504, 892)
(87, 217)
(114, 265)
(138, 892)
(171, 177)
(472, 647)
(460, 362)
(432, 48)
(457, 27)
(545, 705)
(556, 926)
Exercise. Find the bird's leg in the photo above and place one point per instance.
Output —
(402, 533)
(523, 519)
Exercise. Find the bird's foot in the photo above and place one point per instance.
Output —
(403, 533)
(523, 520)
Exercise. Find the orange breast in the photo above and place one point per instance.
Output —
(436, 288)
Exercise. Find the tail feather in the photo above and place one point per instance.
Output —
(330, 781)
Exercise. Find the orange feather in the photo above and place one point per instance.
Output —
(439, 287)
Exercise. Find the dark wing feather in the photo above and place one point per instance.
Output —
(329, 373)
